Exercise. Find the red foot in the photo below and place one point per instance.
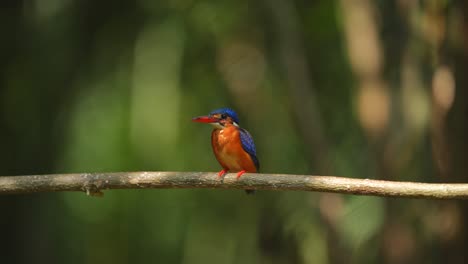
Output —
(221, 173)
(240, 174)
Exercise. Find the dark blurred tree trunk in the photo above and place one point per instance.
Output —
(27, 51)
(455, 251)
(290, 48)
(12, 207)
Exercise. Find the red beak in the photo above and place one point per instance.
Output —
(204, 119)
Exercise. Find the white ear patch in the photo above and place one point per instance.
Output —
(217, 125)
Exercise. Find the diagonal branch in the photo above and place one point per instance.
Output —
(93, 183)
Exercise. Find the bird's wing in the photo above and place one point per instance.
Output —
(249, 146)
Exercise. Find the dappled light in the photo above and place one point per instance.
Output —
(366, 59)
(243, 68)
(155, 95)
(443, 89)
(364, 48)
(373, 107)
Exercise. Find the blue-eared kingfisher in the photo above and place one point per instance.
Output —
(232, 145)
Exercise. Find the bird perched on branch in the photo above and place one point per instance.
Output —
(232, 145)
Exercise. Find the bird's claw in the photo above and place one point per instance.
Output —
(240, 174)
(222, 173)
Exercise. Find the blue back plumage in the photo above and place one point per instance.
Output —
(227, 111)
(249, 146)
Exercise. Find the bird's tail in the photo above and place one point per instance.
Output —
(250, 192)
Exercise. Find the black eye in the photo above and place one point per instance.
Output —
(223, 116)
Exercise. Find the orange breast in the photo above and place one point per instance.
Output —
(228, 150)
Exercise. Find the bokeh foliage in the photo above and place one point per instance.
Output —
(359, 88)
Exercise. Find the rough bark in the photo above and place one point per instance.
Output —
(94, 183)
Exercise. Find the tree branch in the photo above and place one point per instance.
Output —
(93, 183)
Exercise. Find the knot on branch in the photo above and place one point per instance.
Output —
(93, 189)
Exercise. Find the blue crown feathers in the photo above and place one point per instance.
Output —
(227, 111)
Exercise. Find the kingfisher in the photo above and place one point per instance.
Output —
(232, 145)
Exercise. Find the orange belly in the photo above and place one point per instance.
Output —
(228, 150)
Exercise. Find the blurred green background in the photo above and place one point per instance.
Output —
(355, 88)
